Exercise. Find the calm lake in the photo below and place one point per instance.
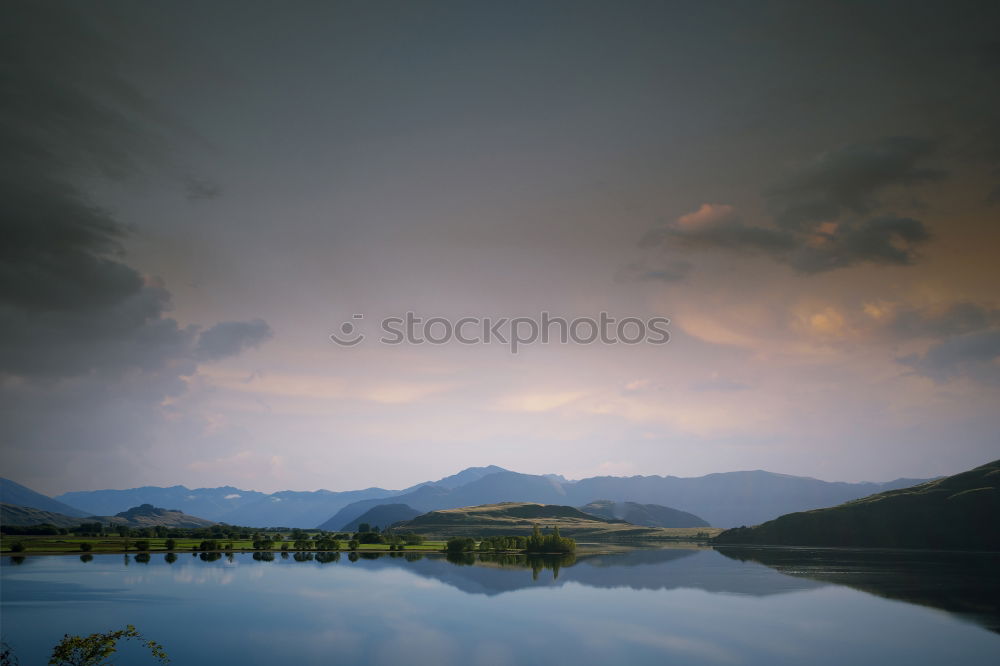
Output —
(643, 606)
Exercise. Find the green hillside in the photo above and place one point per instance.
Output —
(518, 518)
(148, 515)
(382, 515)
(22, 516)
(139, 516)
(956, 512)
(648, 515)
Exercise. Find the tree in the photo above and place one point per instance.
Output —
(170, 544)
(364, 527)
(7, 657)
(142, 544)
(95, 649)
(86, 546)
(460, 544)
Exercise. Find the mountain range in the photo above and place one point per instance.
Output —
(649, 515)
(14, 493)
(139, 516)
(958, 512)
(507, 518)
(724, 499)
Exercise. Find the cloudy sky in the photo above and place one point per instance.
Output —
(196, 195)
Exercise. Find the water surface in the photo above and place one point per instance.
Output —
(646, 606)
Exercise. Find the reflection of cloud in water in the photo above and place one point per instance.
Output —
(646, 569)
(656, 638)
(409, 637)
(195, 575)
(25, 591)
(492, 653)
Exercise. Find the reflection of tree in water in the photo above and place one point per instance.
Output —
(170, 558)
(142, 558)
(462, 559)
(967, 584)
(17, 559)
(353, 556)
(210, 557)
(537, 563)
(554, 562)
(303, 557)
(325, 557)
(86, 558)
(263, 556)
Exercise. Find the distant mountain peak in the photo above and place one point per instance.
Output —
(468, 475)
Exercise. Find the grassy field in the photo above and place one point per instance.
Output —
(519, 518)
(116, 544)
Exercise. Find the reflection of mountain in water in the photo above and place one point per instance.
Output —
(966, 584)
(646, 569)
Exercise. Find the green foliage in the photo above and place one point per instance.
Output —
(369, 537)
(353, 544)
(502, 543)
(17, 547)
(142, 544)
(170, 544)
(86, 546)
(96, 649)
(7, 657)
(460, 544)
(549, 543)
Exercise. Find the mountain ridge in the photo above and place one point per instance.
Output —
(647, 515)
(14, 493)
(723, 499)
(954, 512)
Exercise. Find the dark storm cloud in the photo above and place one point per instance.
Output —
(88, 353)
(68, 303)
(973, 355)
(883, 240)
(957, 319)
(229, 338)
(967, 341)
(824, 213)
(727, 233)
(850, 179)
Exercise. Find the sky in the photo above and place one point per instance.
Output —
(197, 195)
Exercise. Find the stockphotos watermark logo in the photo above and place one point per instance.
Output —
(515, 332)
